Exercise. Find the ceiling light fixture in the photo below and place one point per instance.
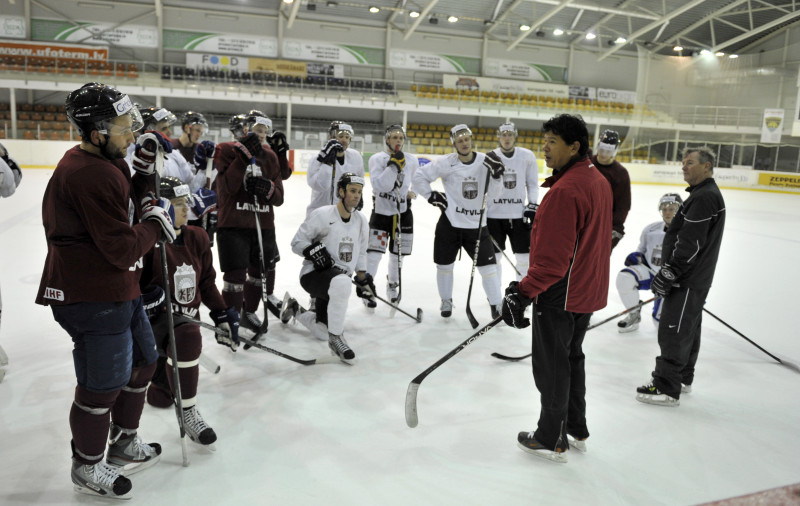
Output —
(705, 52)
(719, 53)
(591, 36)
(524, 28)
(452, 19)
(374, 9)
(677, 48)
(621, 40)
(558, 31)
(733, 56)
(414, 14)
(288, 1)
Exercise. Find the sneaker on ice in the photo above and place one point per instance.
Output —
(578, 443)
(127, 451)
(339, 347)
(100, 479)
(289, 308)
(630, 322)
(196, 428)
(446, 308)
(528, 443)
(392, 291)
(650, 394)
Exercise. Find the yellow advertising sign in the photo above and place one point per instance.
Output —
(781, 180)
(281, 67)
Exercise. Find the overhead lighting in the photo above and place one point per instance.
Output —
(288, 1)
(524, 28)
(331, 3)
(591, 36)
(558, 31)
(705, 52)
(733, 56)
(719, 53)
(374, 9)
(414, 14)
(621, 40)
(677, 48)
(452, 19)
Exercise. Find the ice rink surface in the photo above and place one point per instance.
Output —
(335, 434)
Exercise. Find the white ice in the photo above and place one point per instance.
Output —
(336, 434)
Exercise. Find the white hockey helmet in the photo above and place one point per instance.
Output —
(458, 131)
(507, 127)
(669, 199)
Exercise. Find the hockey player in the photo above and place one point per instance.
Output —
(10, 177)
(333, 241)
(193, 126)
(199, 153)
(688, 260)
(391, 172)
(617, 176)
(91, 218)
(236, 126)
(333, 160)
(191, 277)
(641, 265)
(507, 214)
(464, 174)
(247, 171)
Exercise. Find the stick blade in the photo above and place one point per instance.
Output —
(419, 315)
(412, 420)
(471, 318)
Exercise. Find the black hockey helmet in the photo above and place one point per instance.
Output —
(93, 105)
(255, 117)
(394, 128)
(173, 188)
(610, 137)
(193, 118)
(152, 116)
(333, 128)
(236, 125)
(347, 179)
(508, 126)
(669, 199)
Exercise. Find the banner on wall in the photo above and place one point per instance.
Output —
(224, 43)
(12, 27)
(281, 67)
(94, 33)
(609, 95)
(521, 70)
(587, 92)
(772, 126)
(50, 50)
(325, 69)
(320, 51)
(505, 85)
(421, 60)
(218, 61)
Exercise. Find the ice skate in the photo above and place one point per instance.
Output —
(495, 311)
(686, 389)
(308, 319)
(127, 451)
(392, 292)
(446, 308)
(339, 348)
(577, 443)
(252, 323)
(528, 443)
(649, 394)
(630, 322)
(370, 304)
(274, 305)
(101, 480)
(289, 308)
(197, 429)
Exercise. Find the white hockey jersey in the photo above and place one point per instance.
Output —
(463, 185)
(383, 180)
(9, 179)
(345, 241)
(319, 174)
(175, 165)
(650, 243)
(520, 181)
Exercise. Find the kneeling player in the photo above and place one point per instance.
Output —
(192, 281)
(333, 241)
(642, 264)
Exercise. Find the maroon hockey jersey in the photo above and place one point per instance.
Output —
(95, 242)
(234, 205)
(187, 152)
(191, 272)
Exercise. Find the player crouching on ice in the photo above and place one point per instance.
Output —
(192, 279)
(333, 241)
(642, 264)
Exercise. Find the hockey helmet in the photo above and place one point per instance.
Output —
(255, 117)
(610, 137)
(394, 128)
(236, 125)
(93, 105)
(193, 118)
(669, 199)
(458, 131)
(348, 178)
(340, 127)
(507, 127)
(152, 116)
(173, 188)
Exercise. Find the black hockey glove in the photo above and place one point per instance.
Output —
(438, 199)
(319, 256)
(365, 286)
(153, 301)
(663, 282)
(529, 213)
(397, 160)
(635, 258)
(616, 237)
(514, 304)
(278, 143)
(260, 187)
(251, 144)
(494, 165)
(228, 321)
(328, 153)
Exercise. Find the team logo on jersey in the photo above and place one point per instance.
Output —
(346, 246)
(185, 282)
(469, 188)
(655, 258)
(509, 179)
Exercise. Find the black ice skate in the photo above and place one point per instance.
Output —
(100, 479)
(528, 443)
(289, 308)
(197, 429)
(649, 394)
(127, 452)
(339, 347)
(252, 323)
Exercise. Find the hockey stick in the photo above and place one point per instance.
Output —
(173, 349)
(506, 256)
(217, 330)
(470, 316)
(786, 363)
(418, 318)
(398, 239)
(262, 263)
(412, 418)
(209, 364)
(590, 327)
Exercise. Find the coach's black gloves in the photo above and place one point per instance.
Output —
(514, 304)
(663, 282)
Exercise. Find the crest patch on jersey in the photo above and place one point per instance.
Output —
(509, 179)
(185, 282)
(469, 188)
(346, 246)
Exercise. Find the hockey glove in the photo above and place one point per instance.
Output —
(616, 237)
(257, 185)
(153, 301)
(514, 304)
(202, 152)
(250, 145)
(278, 144)
(438, 199)
(494, 165)
(529, 213)
(663, 282)
(160, 211)
(328, 154)
(228, 321)
(397, 160)
(203, 201)
(12, 164)
(319, 256)
(635, 258)
(144, 154)
(365, 287)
